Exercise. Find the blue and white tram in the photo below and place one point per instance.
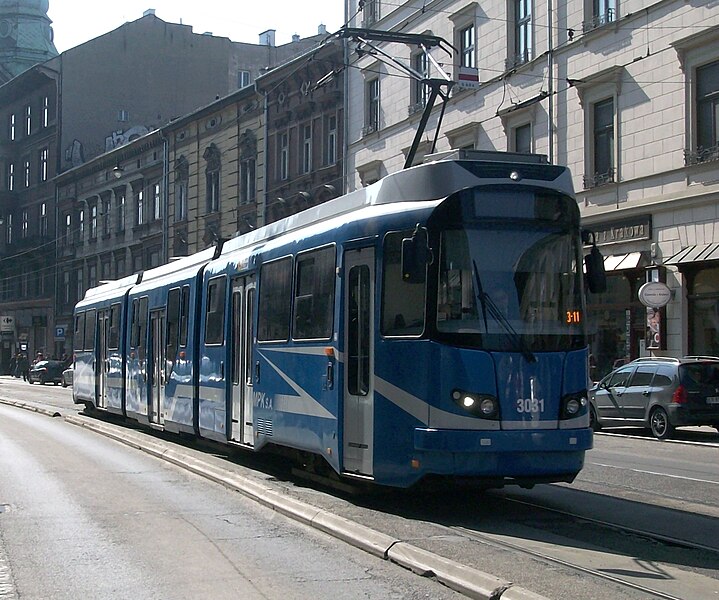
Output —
(99, 345)
(430, 324)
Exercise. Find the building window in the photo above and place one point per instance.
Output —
(68, 229)
(156, 202)
(140, 207)
(602, 12)
(120, 267)
(370, 12)
(24, 224)
(522, 31)
(418, 99)
(80, 289)
(11, 128)
(28, 120)
(372, 106)
(43, 165)
(284, 157)
(106, 217)
(306, 148)
(182, 177)
(45, 111)
(43, 219)
(247, 181)
(11, 177)
(602, 143)
(91, 276)
(120, 198)
(93, 222)
(66, 287)
(467, 47)
(81, 227)
(707, 86)
(244, 78)
(26, 172)
(8, 230)
(331, 140)
(123, 116)
(523, 138)
(212, 178)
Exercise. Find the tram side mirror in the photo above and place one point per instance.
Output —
(594, 266)
(416, 255)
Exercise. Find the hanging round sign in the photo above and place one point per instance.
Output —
(655, 294)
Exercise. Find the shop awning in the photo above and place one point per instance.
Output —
(697, 253)
(621, 262)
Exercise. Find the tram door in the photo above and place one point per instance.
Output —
(243, 335)
(102, 364)
(158, 366)
(359, 361)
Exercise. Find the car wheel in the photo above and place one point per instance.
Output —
(64, 383)
(30, 381)
(659, 423)
(593, 421)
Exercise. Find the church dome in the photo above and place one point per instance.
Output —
(27, 7)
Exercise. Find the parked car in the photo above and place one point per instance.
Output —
(46, 371)
(67, 377)
(658, 393)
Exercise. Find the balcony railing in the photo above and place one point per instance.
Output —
(512, 62)
(701, 155)
(368, 129)
(599, 20)
(416, 107)
(598, 179)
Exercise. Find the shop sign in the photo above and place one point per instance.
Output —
(628, 230)
(655, 294)
(7, 324)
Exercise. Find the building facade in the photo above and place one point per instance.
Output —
(625, 94)
(71, 109)
(199, 180)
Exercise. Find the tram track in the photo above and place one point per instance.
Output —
(686, 576)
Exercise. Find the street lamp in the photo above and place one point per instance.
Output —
(117, 171)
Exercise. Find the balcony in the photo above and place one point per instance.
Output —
(598, 179)
(701, 155)
(599, 20)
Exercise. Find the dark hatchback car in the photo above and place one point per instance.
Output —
(658, 393)
(46, 371)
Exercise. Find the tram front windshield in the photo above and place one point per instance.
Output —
(510, 271)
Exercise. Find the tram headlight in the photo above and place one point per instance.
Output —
(478, 405)
(574, 405)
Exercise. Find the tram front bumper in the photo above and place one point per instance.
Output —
(501, 453)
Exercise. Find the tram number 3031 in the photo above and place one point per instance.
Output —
(530, 405)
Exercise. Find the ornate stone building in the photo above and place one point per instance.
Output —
(91, 100)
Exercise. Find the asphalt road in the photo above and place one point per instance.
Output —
(663, 488)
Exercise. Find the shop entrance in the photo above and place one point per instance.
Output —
(616, 323)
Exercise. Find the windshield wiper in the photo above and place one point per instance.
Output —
(489, 306)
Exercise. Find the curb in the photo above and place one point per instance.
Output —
(460, 578)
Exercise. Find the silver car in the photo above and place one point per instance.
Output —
(658, 393)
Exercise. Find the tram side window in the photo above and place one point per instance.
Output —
(173, 323)
(90, 319)
(314, 294)
(79, 333)
(184, 314)
(402, 302)
(113, 337)
(139, 326)
(275, 300)
(215, 313)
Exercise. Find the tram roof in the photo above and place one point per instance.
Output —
(110, 289)
(437, 178)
